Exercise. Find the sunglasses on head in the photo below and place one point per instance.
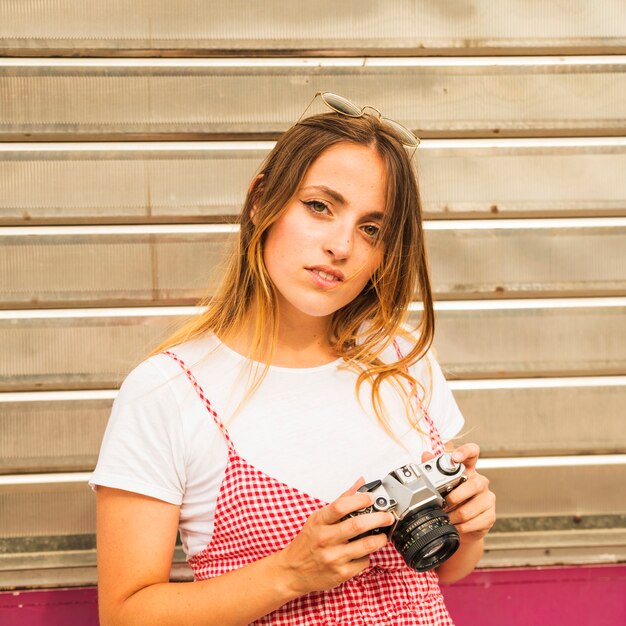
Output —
(342, 105)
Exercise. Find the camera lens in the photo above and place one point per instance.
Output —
(426, 539)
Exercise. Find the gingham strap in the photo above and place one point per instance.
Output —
(202, 397)
(433, 433)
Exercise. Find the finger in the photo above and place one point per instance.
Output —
(473, 508)
(360, 481)
(337, 510)
(359, 524)
(467, 454)
(427, 456)
(480, 524)
(347, 569)
(364, 547)
(352, 568)
(475, 484)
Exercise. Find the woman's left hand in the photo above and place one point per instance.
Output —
(471, 506)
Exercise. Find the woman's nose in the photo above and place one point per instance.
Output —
(339, 243)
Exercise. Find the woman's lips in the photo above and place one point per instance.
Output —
(324, 278)
(330, 273)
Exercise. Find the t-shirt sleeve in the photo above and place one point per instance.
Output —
(442, 407)
(143, 449)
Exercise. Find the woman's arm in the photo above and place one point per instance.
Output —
(471, 507)
(462, 562)
(136, 539)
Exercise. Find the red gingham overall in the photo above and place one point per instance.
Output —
(257, 515)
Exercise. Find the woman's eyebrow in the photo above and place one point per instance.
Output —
(335, 195)
(373, 215)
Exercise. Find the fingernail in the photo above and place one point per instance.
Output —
(457, 456)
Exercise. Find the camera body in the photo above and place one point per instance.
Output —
(414, 494)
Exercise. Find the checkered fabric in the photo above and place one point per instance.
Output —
(257, 515)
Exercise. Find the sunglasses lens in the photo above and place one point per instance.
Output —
(406, 136)
(341, 105)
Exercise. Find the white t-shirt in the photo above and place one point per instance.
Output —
(303, 426)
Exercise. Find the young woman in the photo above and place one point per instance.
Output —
(301, 378)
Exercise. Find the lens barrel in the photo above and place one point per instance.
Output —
(426, 539)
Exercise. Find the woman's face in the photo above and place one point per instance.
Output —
(323, 249)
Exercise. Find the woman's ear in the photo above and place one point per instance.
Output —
(254, 189)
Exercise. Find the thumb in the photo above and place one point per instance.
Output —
(352, 490)
(427, 455)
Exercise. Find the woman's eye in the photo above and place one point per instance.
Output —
(316, 206)
(371, 230)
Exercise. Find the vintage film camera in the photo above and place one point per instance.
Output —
(422, 532)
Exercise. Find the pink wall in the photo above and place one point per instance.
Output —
(572, 596)
(56, 607)
(569, 596)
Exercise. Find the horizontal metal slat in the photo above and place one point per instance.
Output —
(39, 510)
(522, 177)
(45, 435)
(179, 264)
(43, 577)
(95, 349)
(73, 568)
(57, 98)
(75, 353)
(178, 181)
(542, 341)
(158, 25)
(524, 258)
(566, 490)
(93, 269)
(62, 431)
(67, 508)
(69, 568)
(534, 549)
(521, 420)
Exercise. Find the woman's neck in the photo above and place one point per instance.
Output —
(301, 345)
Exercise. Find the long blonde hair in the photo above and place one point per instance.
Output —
(362, 329)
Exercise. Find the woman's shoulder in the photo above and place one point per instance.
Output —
(157, 403)
(402, 343)
(164, 372)
(425, 368)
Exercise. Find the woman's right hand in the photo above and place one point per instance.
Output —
(322, 556)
